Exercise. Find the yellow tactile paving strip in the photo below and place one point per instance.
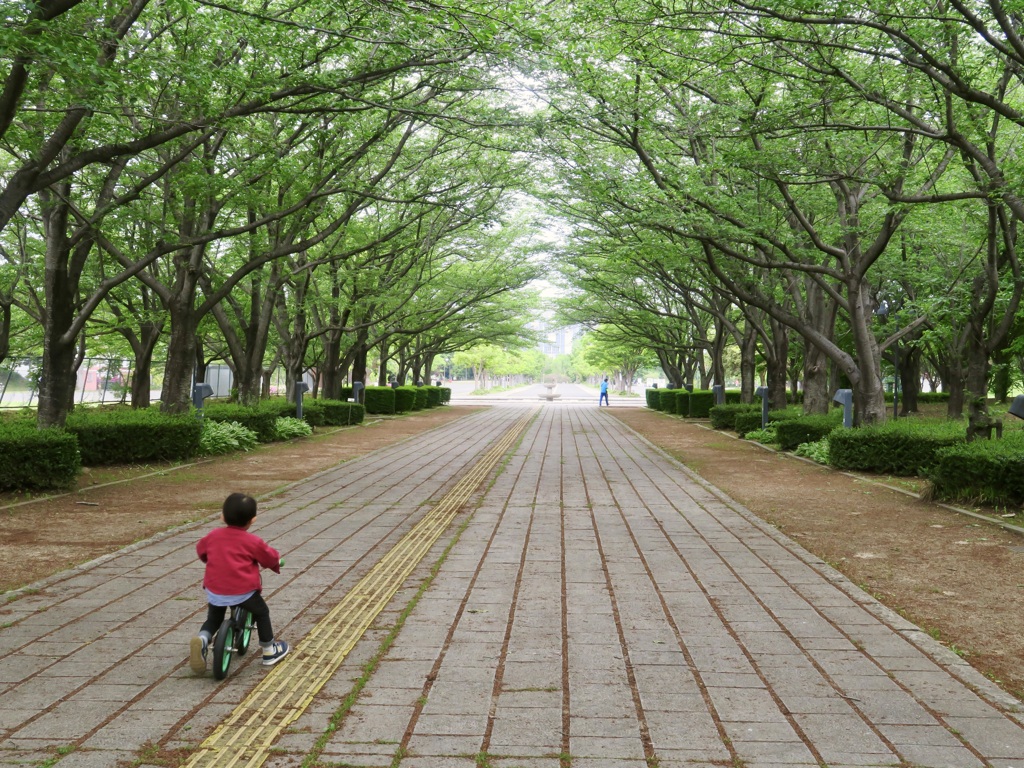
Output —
(246, 737)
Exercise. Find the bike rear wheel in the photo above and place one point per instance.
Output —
(224, 647)
(246, 624)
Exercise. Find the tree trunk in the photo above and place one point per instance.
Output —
(671, 371)
(359, 364)
(866, 376)
(143, 344)
(5, 330)
(176, 393)
(60, 284)
(977, 367)
(748, 363)
(428, 368)
(718, 353)
(955, 385)
(332, 373)
(817, 397)
(57, 383)
(910, 379)
(777, 362)
(1000, 376)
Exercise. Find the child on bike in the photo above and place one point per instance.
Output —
(233, 557)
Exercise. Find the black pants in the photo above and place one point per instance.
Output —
(256, 605)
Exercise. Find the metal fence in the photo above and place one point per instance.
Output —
(106, 381)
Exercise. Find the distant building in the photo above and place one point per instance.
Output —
(557, 341)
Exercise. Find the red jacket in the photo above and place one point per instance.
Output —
(233, 557)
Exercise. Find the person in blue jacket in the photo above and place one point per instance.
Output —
(604, 393)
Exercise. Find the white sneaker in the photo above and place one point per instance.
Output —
(274, 653)
(197, 648)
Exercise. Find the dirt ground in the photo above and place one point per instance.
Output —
(960, 579)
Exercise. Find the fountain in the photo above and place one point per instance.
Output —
(550, 395)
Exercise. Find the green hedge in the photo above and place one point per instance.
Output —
(405, 399)
(132, 436)
(259, 419)
(804, 429)
(723, 416)
(667, 400)
(434, 395)
(787, 414)
(338, 413)
(990, 471)
(747, 421)
(421, 398)
(37, 459)
(903, 447)
(932, 397)
(312, 412)
(653, 397)
(682, 402)
(733, 397)
(446, 395)
(379, 400)
(701, 403)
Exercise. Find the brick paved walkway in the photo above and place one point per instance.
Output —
(597, 606)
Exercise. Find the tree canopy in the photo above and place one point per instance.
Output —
(822, 194)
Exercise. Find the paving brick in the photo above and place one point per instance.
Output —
(738, 646)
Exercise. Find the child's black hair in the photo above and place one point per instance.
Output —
(239, 509)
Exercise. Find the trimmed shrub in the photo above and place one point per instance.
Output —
(722, 416)
(784, 414)
(405, 399)
(338, 413)
(989, 471)
(345, 393)
(259, 419)
(667, 400)
(379, 400)
(128, 436)
(903, 447)
(433, 396)
(682, 402)
(932, 397)
(313, 410)
(733, 397)
(747, 421)
(219, 437)
(701, 403)
(805, 429)
(653, 397)
(421, 398)
(37, 459)
(446, 395)
(357, 412)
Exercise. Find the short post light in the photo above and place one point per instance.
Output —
(200, 391)
(1017, 407)
(844, 397)
(300, 388)
(357, 391)
(762, 392)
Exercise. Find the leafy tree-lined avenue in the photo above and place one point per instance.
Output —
(315, 187)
